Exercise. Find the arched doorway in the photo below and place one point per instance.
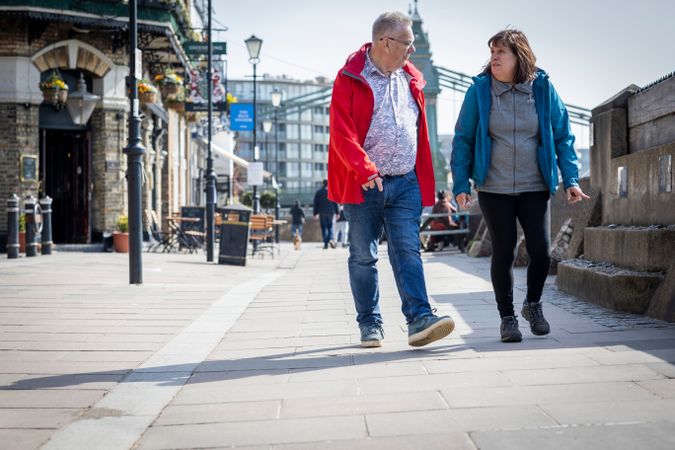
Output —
(65, 162)
(66, 172)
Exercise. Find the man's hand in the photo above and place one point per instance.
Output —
(463, 200)
(371, 184)
(316, 216)
(575, 194)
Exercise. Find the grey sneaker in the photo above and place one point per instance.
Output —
(509, 330)
(372, 335)
(533, 313)
(429, 328)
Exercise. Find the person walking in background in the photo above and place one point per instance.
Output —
(380, 168)
(325, 210)
(342, 228)
(512, 135)
(297, 219)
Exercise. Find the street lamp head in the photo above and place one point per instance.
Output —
(81, 103)
(267, 125)
(253, 45)
(276, 97)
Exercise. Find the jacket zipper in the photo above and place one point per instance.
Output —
(513, 92)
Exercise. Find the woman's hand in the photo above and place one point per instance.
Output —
(463, 200)
(575, 194)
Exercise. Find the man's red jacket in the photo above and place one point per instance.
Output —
(351, 110)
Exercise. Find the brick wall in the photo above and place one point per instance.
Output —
(18, 136)
(109, 137)
(14, 40)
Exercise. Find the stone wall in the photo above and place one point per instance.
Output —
(631, 133)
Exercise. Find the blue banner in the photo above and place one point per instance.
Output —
(241, 116)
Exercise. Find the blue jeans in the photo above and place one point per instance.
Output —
(326, 228)
(397, 210)
(296, 227)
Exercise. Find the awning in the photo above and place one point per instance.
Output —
(158, 111)
(241, 162)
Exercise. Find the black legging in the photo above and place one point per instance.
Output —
(500, 212)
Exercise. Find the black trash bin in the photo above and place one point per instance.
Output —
(234, 231)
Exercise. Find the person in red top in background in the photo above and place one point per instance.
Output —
(442, 206)
(380, 168)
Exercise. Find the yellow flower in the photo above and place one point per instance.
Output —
(54, 81)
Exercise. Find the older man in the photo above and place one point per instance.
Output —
(380, 168)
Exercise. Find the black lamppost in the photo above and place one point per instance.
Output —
(253, 45)
(134, 152)
(210, 174)
(276, 103)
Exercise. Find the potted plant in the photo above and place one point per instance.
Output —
(147, 93)
(121, 235)
(54, 89)
(176, 101)
(169, 82)
(22, 233)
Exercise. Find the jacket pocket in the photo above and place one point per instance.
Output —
(544, 165)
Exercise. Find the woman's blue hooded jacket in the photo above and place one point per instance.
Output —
(472, 145)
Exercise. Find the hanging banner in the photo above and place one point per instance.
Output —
(241, 117)
(196, 90)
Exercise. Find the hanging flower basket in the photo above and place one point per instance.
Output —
(54, 89)
(147, 97)
(169, 82)
(169, 89)
(147, 93)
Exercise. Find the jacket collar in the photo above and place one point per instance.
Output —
(499, 87)
(357, 61)
(482, 78)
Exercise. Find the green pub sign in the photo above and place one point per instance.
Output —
(202, 48)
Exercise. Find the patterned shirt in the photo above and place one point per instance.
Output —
(391, 142)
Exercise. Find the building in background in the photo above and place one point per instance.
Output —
(302, 133)
(82, 167)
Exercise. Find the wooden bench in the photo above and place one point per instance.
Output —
(262, 234)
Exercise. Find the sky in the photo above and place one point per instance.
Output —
(591, 49)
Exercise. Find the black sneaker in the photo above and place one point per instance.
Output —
(533, 313)
(509, 330)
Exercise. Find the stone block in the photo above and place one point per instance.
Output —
(662, 305)
(607, 285)
(647, 249)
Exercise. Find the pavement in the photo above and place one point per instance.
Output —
(267, 356)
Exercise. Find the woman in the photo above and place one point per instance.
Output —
(511, 132)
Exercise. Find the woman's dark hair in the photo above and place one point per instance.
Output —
(516, 40)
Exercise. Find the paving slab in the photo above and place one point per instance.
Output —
(268, 356)
(652, 436)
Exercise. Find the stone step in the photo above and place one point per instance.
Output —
(607, 285)
(648, 249)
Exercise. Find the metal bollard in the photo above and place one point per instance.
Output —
(13, 226)
(31, 225)
(46, 204)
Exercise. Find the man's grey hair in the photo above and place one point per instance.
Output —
(389, 21)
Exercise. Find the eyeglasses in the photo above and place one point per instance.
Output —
(406, 44)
